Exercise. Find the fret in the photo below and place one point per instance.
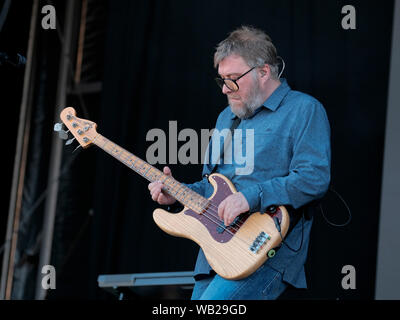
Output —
(142, 168)
(150, 174)
(117, 154)
(147, 167)
(134, 162)
(125, 160)
(183, 193)
(174, 185)
(167, 189)
(193, 198)
(174, 192)
(188, 192)
(169, 183)
(178, 196)
(145, 173)
(111, 149)
(155, 175)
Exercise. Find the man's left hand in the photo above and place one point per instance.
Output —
(231, 207)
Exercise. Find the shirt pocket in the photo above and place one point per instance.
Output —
(272, 153)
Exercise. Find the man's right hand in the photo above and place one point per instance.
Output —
(156, 190)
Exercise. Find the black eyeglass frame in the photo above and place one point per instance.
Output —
(221, 81)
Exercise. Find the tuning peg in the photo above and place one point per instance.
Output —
(58, 127)
(69, 141)
(62, 134)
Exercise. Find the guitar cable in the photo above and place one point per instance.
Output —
(278, 226)
(345, 204)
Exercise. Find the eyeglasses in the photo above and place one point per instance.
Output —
(231, 84)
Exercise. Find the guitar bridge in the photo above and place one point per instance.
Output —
(259, 242)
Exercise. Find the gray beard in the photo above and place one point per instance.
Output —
(248, 108)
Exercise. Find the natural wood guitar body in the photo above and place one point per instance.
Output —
(231, 258)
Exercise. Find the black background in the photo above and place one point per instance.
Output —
(158, 58)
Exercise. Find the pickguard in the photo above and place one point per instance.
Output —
(209, 218)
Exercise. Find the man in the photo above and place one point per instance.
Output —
(291, 163)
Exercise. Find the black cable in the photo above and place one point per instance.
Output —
(347, 207)
(302, 221)
(277, 223)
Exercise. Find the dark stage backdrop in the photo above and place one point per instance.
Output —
(158, 68)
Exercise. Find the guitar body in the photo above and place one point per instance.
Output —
(234, 252)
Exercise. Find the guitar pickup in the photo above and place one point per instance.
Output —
(221, 228)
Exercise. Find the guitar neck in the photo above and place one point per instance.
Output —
(179, 191)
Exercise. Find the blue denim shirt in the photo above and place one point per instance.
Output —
(291, 167)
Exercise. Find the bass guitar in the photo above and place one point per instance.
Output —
(234, 251)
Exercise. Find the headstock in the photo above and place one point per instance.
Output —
(84, 131)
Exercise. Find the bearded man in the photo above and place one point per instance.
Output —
(291, 163)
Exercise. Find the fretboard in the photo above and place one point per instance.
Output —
(179, 191)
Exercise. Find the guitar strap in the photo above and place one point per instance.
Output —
(234, 125)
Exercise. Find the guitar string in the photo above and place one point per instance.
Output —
(211, 209)
(219, 222)
(214, 212)
(175, 189)
(145, 176)
(205, 213)
(209, 215)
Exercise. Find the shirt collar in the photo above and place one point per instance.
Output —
(274, 100)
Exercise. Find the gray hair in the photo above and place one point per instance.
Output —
(253, 45)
